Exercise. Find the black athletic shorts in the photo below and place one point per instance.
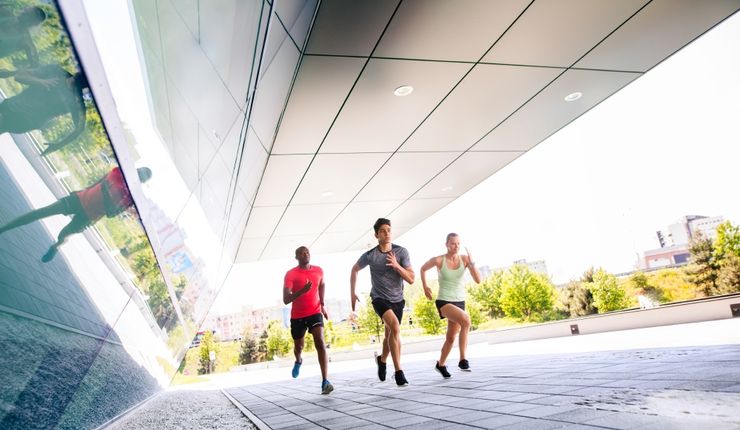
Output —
(299, 326)
(382, 305)
(441, 303)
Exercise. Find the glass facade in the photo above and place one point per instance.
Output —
(91, 323)
(112, 246)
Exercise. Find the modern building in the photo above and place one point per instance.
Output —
(682, 231)
(674, 241)
(274, 123)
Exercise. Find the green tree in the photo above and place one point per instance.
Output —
(262, 345)
(427, 316)
(208, 344)
(608, 295)
(704, 270)
(476, 315)
(330, 333)
(249, 351)
(160, 304)
(728, 280)
(278, 340)
(642, 284)
(526, 294)
(488, 294)
(577, 299)
(368, 321)
(727, 243)
(674, 284)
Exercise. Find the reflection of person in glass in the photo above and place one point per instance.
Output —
(14, 31)
(107, 197)
(50, 91)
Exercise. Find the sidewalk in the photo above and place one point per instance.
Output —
(692, 382)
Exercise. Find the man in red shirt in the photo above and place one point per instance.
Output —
(107, 197)
(304, 287)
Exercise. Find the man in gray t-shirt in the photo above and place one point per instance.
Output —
(390, 265)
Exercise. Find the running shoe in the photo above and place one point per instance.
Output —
(296, 368)
(400, 378)
(442, 371)
(381, 368)
(326, 387)
(464, 365)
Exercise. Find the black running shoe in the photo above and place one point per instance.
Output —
(464, 365)
(400, 378)
(442, 370)
(381, 368)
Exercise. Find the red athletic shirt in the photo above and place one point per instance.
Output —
(92, 198)
(307, 304)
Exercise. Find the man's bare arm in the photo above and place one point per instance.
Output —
(352, 283)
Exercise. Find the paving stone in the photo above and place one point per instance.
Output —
(626, 388)
(579, 415)
(499, 421)
(536, 424)
(513, 408)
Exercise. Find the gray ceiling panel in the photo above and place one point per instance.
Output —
(376, 120)
(307, 219)
(412, 212)
(281, 178)
(317, 96)
(349, 28)
(558, 32)
(466, 172)
(460, 30)
(404, 174)
(296, 16)
(337, 178)
(359, 216)
(273, 88)
(663, 27)
(262, 222)
(488, 95)
(548, 111)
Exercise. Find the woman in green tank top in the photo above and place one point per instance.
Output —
(451, 299)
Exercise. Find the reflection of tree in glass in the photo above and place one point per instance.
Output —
(107, 197)
(49, 92)
(152, 284)
(14, 31)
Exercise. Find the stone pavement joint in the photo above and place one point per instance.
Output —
(679, 387)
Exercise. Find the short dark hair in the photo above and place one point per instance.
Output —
(380, 222)
(450, 236)
(297, 250)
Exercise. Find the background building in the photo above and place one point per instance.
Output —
(674, 241)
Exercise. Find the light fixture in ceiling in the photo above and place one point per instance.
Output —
(447, 188)
(403, 90)
(573, 96)
(327, 194)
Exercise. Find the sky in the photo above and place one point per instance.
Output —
(593, 194)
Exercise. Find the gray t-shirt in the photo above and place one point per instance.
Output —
(386, 282)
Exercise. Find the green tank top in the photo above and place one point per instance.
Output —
(451, 287)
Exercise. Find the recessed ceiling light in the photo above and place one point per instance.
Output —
(573, 96)
(447, 188)
(327, 194)
(403, 90)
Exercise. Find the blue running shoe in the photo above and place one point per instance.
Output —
(296, 368)
(326, 387)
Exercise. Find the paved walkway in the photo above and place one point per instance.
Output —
(647, 388)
